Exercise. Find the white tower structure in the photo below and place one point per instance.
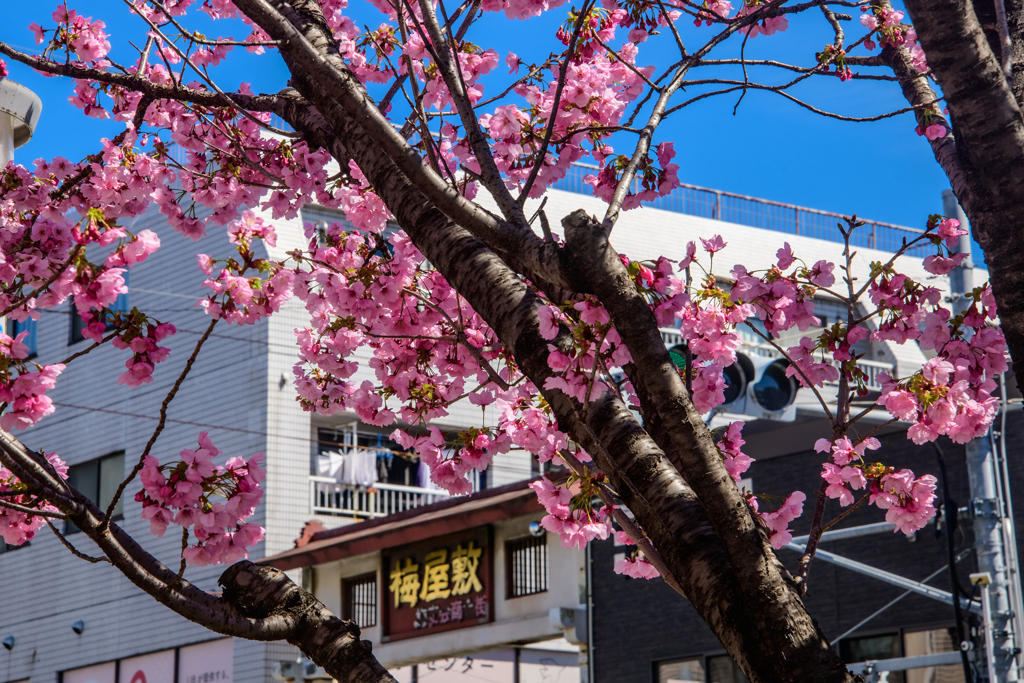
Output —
(19, 114)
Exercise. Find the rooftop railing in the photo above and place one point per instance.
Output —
(693, 200)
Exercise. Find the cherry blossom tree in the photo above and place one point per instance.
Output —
(475, 299)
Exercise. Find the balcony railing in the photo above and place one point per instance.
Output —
(327, 496)
(871, 368)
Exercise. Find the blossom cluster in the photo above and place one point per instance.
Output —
(634, 564)
(239, 299)
(886, 24)
(18, 527)
(212, 501)
(570, 514)
(908, 500)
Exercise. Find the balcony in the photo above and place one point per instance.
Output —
(327, 496)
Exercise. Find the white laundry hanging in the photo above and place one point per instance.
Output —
(423, 477)
(330, 464)
(360, 467)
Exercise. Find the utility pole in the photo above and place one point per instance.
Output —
(988, 514)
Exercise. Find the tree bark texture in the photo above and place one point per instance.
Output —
(740, 591)
(988, 130)
(259, 592)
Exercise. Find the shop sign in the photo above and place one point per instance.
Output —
(157, 667)
(209, 662)
(439, 585)
(99, 673)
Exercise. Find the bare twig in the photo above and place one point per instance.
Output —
(553, 117)
(67, 544)
(159, 427)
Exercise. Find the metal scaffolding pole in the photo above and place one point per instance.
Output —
(987, 508)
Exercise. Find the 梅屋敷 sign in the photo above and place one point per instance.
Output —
(438, 585)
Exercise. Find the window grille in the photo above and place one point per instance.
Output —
(527, 569)
(359, 600)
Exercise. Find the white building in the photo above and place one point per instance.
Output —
(240, 392)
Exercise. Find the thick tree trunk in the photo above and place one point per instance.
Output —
(757, 615)
(989, 135)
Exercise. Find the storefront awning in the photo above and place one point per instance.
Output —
(445, 517)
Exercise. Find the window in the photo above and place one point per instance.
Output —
(918, 643)
(120, 305)
(865, 648)
(321, 217)
(722, 669)
(527, 566)
(680, 671)
(5, 548)
(359, 600)
(717, 669)
(14, 328)
(98, 480)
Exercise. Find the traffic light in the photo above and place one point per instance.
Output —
(754, 385)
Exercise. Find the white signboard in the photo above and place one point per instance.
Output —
(99, 673)
(157, 667)
(210, 662)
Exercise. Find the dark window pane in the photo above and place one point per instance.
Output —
(527, 566)
(98, 480)
(722, 669)
(120, 305)
(111, 475)
(359, 600)
(867, 648)
(14, 328)
(86, 478)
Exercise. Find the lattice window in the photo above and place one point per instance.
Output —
(359, 600)
(527, 569)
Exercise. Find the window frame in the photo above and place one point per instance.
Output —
(14, 328)
(350, 607)
(538, 544)
(121, 305)
(116, 480)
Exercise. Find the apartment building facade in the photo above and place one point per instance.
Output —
(75, 621)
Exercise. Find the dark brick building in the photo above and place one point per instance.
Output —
(643, 631)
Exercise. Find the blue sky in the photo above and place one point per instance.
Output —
(771, 148)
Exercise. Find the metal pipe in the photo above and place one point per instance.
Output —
(895, 600)
(590, 614)
(887, 577)
(904, 663)
(990, 646)
(852, 532)
(1009, 525)
(989, 549)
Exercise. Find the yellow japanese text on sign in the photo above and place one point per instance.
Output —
(440, 578)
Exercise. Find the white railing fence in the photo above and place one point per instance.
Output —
(327, 496)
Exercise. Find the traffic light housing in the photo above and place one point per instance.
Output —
(754, 385)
